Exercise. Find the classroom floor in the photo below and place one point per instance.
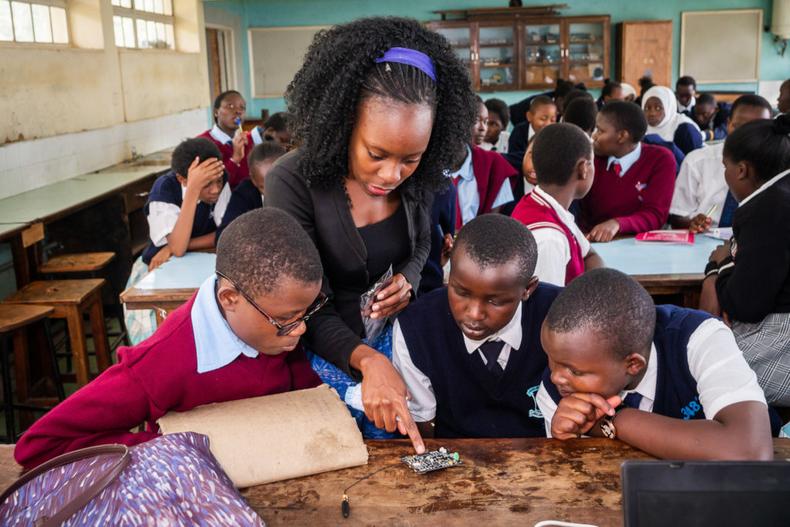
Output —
(45, 387)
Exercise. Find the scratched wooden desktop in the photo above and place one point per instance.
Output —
(502, 482)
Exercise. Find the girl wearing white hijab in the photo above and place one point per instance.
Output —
(629, 93)
(661, 111)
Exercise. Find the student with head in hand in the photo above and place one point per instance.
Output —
(238, 337)
(664, 121)
(382, 107)
(667, 380)
(747, 280)
(702, 199)
(563, 159)
(470, 353)
(633, 181)
(234, 143)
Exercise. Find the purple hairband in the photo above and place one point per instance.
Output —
(410, 57)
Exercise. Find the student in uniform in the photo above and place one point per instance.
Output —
(667, 380)
(249, 194)
(234, 143)
(542, 112)
(633, 181)
(611, 91)
(470, 353)
(711, 117)
(663, 120)
(685, 94)
(236, 338)
(629, 93)
(373, 151)
(484, 178)
(563, 159)
(518, 111)
(496, 133)
(183, 210)
(277, 128)
(748, 278)
(701, 188)
(581, 112)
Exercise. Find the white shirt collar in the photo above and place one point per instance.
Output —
(530, 132)
(216, 344)
(510, 334)
(682, 108)
(465, 172)
(764, 186)
(647, 386)
(627, 161)
(220, 136)
(564, 214)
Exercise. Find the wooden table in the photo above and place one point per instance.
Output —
(171, 284)
(662, 269)
(502, 482)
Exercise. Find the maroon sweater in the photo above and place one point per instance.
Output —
(151, 379)
(639, 200)
(491, 171)
(236, 173)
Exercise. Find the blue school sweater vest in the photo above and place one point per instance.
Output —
(167, 189)
(470, 401)
(676, 389)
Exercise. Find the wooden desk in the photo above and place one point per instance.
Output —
(502, 482)
(171, 284)
(662, 269)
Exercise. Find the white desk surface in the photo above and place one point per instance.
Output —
(186, 272)
(654, 258)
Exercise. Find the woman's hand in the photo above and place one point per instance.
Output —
(159, 258)
(604, 232)
(393, 298)
(384, 396)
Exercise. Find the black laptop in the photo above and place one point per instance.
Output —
(706, 494)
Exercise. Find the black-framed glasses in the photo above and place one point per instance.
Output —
(282, 329)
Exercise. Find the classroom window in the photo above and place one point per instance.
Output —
(144, 24)
(41, 22)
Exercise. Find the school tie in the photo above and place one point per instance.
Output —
(632, 400)
(459, 220)
(616, 168)
(491, 351)
(728, 211)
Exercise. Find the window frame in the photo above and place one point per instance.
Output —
(140, 15)
(60, 4)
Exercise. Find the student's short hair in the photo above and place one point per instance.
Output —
(609, 87)
(540, 100)
(610, 304)
(499, 107)
(751, 99)
(494, 239)
(268, 150)
(557, 149)
(581, 112)
(563, 88)
(628, 116)
(646, 82)
(686, 80)
(574, 94)
(261, 247)
(706, 98)
(764, 143)
(186, 152)
(280, 122)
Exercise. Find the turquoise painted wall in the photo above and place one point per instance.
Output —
(267, 13)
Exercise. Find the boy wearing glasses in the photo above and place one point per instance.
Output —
(236, 338)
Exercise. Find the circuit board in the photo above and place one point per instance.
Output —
(431, 461)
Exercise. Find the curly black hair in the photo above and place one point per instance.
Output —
(339, 71)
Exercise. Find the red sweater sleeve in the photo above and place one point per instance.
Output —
(104, 411)
(656, 197)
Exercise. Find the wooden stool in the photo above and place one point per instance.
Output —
(89, 264)
(14, 319)
(77, 263)
(70, 299)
